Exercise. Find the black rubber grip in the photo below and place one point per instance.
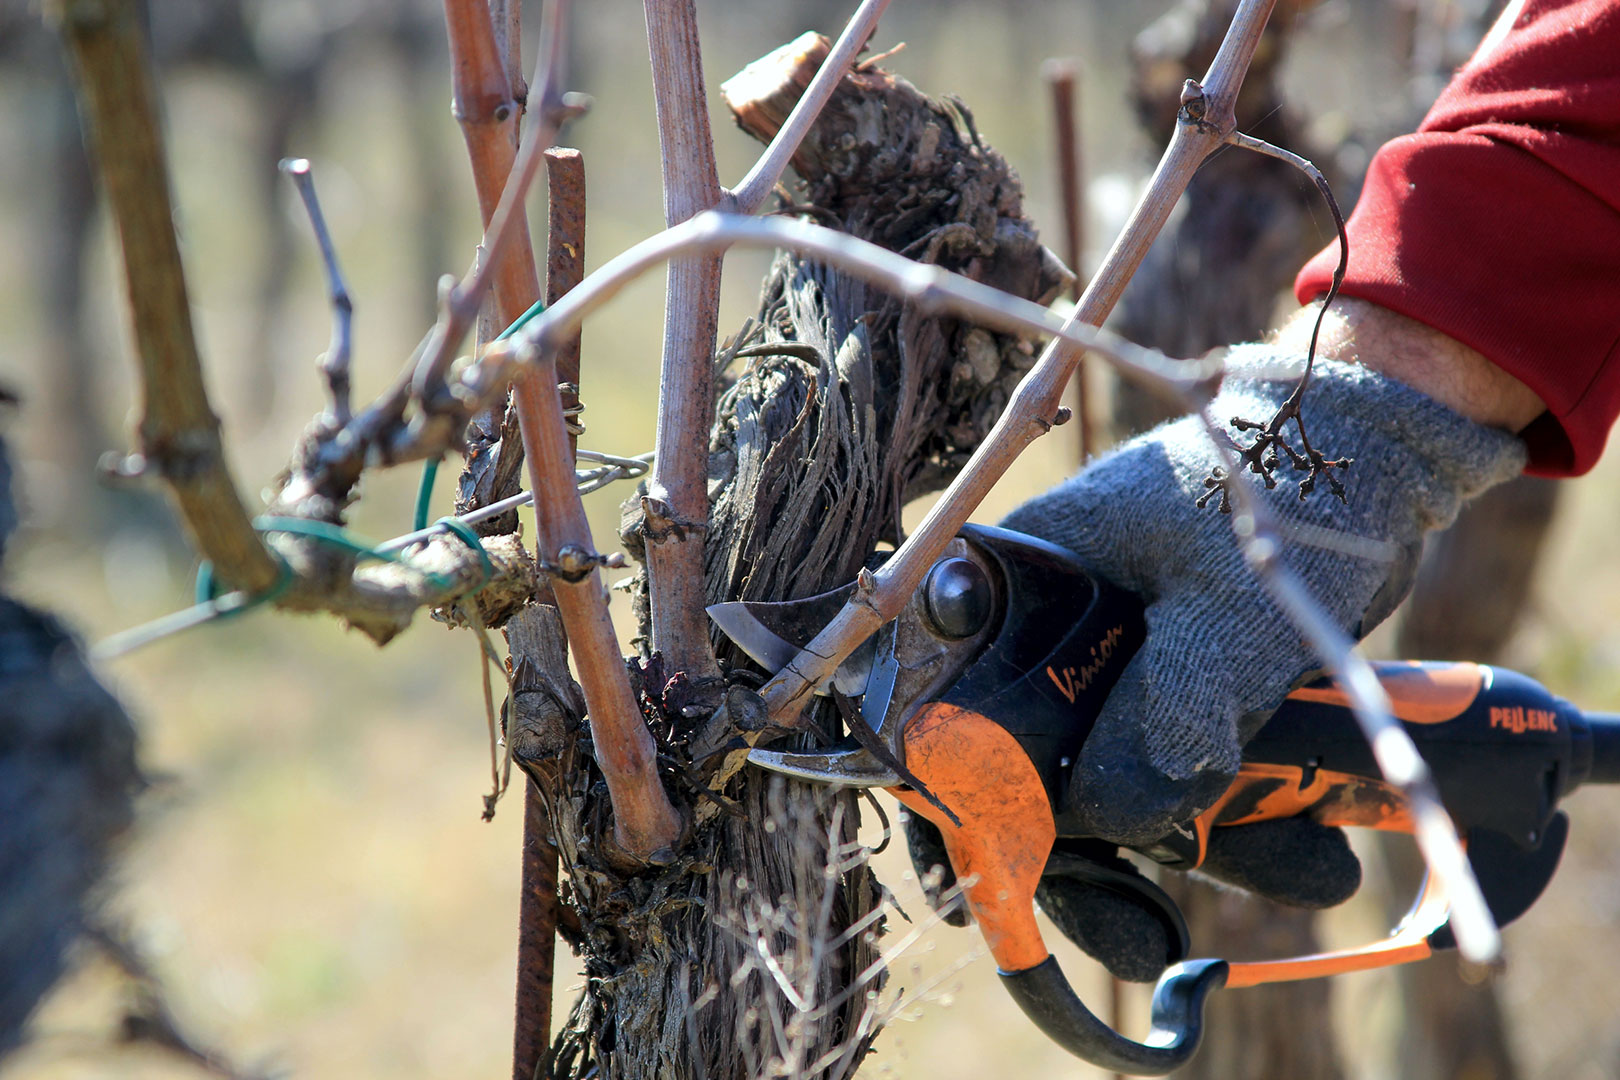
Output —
(1178, 1016)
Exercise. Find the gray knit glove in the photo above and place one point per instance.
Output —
(1219, 654)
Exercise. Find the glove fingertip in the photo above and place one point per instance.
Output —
(1292, 861)
(1121, 935)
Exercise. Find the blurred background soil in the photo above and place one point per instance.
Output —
(310, 876)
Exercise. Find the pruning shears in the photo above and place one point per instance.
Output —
(972, 707)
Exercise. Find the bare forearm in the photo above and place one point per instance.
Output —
(1448, 371)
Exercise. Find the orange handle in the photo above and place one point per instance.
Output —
(1004, 829)
(1409, 942)
(999, 843)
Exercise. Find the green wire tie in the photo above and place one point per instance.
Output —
(208, 609)
(534, 309)
(207, 588)
(211, 607)
(469, 536)
(326, 533)
(424, 494)
(430, 471)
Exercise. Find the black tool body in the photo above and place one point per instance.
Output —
(985, 689)
(1504, 751)
(1065, 636)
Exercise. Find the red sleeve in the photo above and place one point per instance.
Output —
(1498, 222)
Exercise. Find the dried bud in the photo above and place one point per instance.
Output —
(574, 561)
(1192, 99)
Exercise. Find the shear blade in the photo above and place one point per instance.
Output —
(846, 763)
(773, 634)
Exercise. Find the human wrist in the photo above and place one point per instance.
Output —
(1464, 380)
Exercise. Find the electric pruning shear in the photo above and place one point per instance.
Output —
(973, 705)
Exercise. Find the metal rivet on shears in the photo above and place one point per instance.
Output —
(956, 598)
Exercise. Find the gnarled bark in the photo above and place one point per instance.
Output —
(734, 962)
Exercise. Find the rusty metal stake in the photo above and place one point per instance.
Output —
(1062, 79)
(537, 913)
(537, 939)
